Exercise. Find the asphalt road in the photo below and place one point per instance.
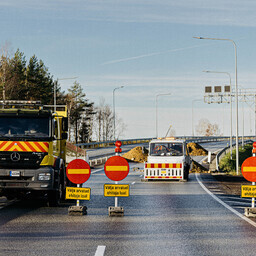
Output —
(160, 218)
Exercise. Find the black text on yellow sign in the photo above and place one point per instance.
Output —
(78, 193)
(121, 190)
(248, 191)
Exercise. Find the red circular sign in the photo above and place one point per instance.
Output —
(118, 143)
(116, 168)
(78, 171)
(249, 169)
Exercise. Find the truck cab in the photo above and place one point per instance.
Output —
(168, 159)
(32, 150)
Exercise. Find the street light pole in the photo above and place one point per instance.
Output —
(236, 93)
(193, 134)
(231, 132)
(161, 94)
(114, 111)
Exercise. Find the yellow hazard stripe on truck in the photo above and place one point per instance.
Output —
(178, 165)
(78, 171)
(24, 146)
(116, 168)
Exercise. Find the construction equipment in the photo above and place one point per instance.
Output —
(168, 160)
(32, 150)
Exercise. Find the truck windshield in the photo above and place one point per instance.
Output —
(24, 127)
(166, 149)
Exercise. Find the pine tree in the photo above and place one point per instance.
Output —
(39, 83)
(15, 84)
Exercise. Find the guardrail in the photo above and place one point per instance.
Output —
(145, 140)
(225, 150)
(201, 139)
(110, 143)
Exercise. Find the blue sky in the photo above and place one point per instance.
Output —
(146, 46)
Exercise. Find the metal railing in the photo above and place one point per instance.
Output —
(225, 150)
(196, 139)
(110, 143)
(102, 144)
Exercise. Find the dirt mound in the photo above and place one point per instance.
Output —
(196, 149)
(136, 155)
(196, 167)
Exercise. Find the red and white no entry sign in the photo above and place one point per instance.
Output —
(116, 168)
(78, 171)
(249, 169)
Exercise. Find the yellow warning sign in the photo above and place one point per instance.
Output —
(78, 193)
(248, 191)
(121, 190)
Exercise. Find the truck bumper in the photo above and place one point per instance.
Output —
(164, 174)
(27, 179)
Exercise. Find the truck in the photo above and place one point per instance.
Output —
(32, 150)
(168, 159)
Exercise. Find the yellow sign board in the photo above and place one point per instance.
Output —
(116, 190)
(248, 191)
(78, 193)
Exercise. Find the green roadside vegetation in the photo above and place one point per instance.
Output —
(229, 166)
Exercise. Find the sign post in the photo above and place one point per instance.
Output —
(78, 171)
(249, 173)
(116, 168)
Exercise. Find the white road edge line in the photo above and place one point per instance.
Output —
(100, 250)
(223, 203)
(133, 183)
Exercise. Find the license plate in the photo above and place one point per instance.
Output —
(15, 173)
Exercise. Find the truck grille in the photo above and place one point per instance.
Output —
(19, 160)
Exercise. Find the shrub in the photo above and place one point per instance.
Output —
(228, 165)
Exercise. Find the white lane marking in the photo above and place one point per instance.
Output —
(100, 250)
(237, 202)
(133, 183)
(224, 204)
(97, 171)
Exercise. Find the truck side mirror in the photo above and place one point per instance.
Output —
(64, 124)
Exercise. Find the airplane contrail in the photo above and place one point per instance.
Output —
(151, 54)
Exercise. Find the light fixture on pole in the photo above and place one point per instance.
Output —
(161, 94)
(231, 132)
(114, 111)
(236, 93)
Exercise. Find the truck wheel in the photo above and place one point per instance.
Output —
(54, 197)
(186, 172)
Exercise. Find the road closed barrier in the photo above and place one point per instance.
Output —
(116, 168)
(249, 172)
(78, 171)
